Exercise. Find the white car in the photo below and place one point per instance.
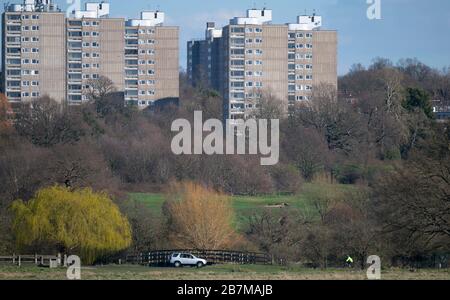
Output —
(186, 259)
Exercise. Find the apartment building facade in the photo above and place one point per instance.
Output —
(256, 57)
(47, 52)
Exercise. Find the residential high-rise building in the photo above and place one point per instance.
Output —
(255, 57)
(151, 60)
(47, 53)
(33, 52)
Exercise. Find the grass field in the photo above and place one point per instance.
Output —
(245, 205)
(218, 272)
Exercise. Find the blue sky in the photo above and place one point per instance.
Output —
(408, 28)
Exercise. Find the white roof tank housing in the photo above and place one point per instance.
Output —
(93, 10)
(254, 17)
(33, 5)
(212, 32)
(305, 22)
(148, 18)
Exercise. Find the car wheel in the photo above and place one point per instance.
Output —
(199, 264)
(177, 264)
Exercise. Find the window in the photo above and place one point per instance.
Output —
(299, 77)
(309, 35)
(258, 40)
(237, 62)
(25, 83)
(95, 33)
(95, 44)
(249, 51)
(299, 35)
(309, 77)
(85, 33)
(237, 29)
(35, 39)
(35, 83)
(34, 28)
(258, 30)
(299, 46)
(258, 52)
(248, 41)
(151, 92)
(237, 73)
(35, 50)
(86, 44)
(25, 39)
(258, 62)
(249, 62)
(237, 84)
(249, 30)
(151, 72)
(151, 52)
(309, 46)
(151, 42)
(151, 62)
(299, 67)
(35, 94)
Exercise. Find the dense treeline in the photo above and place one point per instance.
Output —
(377, 133)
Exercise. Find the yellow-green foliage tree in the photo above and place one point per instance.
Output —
(199, 218)
(78, 222)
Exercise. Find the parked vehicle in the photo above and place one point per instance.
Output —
(186, 259)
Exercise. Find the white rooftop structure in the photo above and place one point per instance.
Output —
(212, 32)
(306, 22)
(254, 17)
(33, 5)
(93, 10)
(148, 18)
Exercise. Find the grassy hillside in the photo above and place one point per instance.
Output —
(245, 205)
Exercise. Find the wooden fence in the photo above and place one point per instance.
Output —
(37, 259)
(162, 257)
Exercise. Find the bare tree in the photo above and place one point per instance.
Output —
(199, 218)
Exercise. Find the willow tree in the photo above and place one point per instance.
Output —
(199, 218)
(78, 222)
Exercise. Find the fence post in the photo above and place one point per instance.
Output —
(19, 261)
(14, 259)
(35, 259)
